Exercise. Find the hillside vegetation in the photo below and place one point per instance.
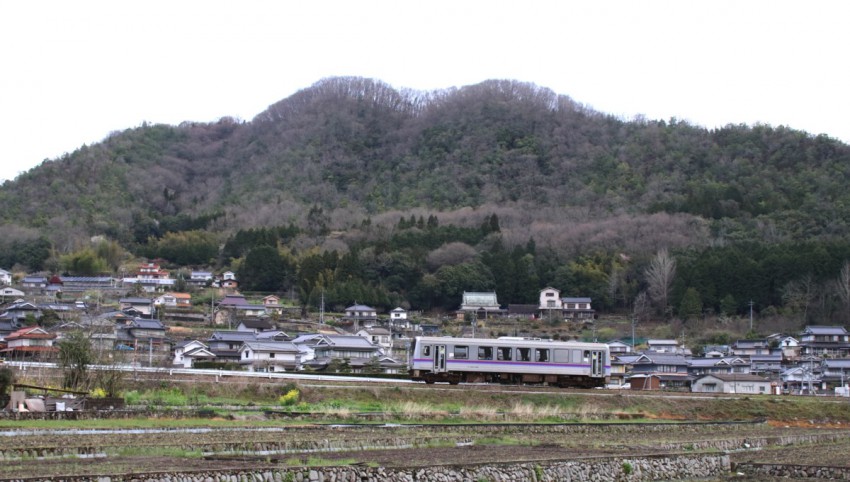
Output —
(501, 175)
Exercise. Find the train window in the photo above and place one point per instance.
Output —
(562, 356)
(541, 355)
(523, 354)
(576, 356)
(426, 350)
(587, 355)
(461, 352)
(503, 353)
(485, 352)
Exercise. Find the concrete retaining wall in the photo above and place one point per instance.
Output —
(664, 467)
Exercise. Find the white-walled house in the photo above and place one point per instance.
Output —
(270, 356)
(378, 336)
(188, 352)
(5, 277)
(732, 383)
(550, 300)
(398, 314)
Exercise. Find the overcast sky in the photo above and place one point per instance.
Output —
(74, 71)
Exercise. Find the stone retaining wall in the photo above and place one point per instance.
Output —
(793, 471)
(664, 467)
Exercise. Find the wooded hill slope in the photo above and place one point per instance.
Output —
(572, 178)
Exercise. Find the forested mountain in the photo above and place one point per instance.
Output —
(352, 156)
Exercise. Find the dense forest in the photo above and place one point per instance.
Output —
(396, 197)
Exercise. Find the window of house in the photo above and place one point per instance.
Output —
(523, 354)
(247, 353)
(550, 295)
(541, 354)
(271, 355)
(426, 350)
(503, 353)
(461, 352)
(485, 352)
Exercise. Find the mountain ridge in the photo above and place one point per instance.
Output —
(360, 149)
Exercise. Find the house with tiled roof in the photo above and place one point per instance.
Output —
(825, 341)
(151, 277)
(480, 304)
(28, 342)
(225, 344)
(188, 352)
(732, 383)
(270, 356)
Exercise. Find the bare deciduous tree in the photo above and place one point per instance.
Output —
(842, 288)
(659, 278)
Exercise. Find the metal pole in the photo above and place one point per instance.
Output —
(633, 335)
(150, 352)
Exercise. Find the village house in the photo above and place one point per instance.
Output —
(174, 301)
(226, 344)
(235, 307)
(189, 352)
(718, 366)
(255, 325)
(732, 383)
(200, 279)
(656, 371)
(664, 346)
(10, 293)
(5, 277)
(480, 305)
(136, 305)
(29, 342)
(270, 356)
(835, 372)
(360, 315)
(577, 309)
(825, 341)
(151, 277)
(378, 336)
(33, 283)
(750, 347)
(272, 305)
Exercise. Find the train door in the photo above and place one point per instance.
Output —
(597, 363)
(439, 358)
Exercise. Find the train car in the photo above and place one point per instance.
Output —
(510, 360)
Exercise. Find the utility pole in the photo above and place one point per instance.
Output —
(634, 320)
(322, 309)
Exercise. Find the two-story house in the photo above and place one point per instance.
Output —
(825, 341)
(480, 304)
(28, 342)
(578, 309)
(718, 366)
(655, 371)
(189, 352)
(226, 344)
(360, 315)
(750, 347)
(151, 277)
(235, 307)
(5, 277)
(378, 336)
(270, 356)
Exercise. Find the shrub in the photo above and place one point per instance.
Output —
(289, 398)
(98, 393)
(627, 468)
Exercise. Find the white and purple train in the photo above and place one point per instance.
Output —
(510, 360)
